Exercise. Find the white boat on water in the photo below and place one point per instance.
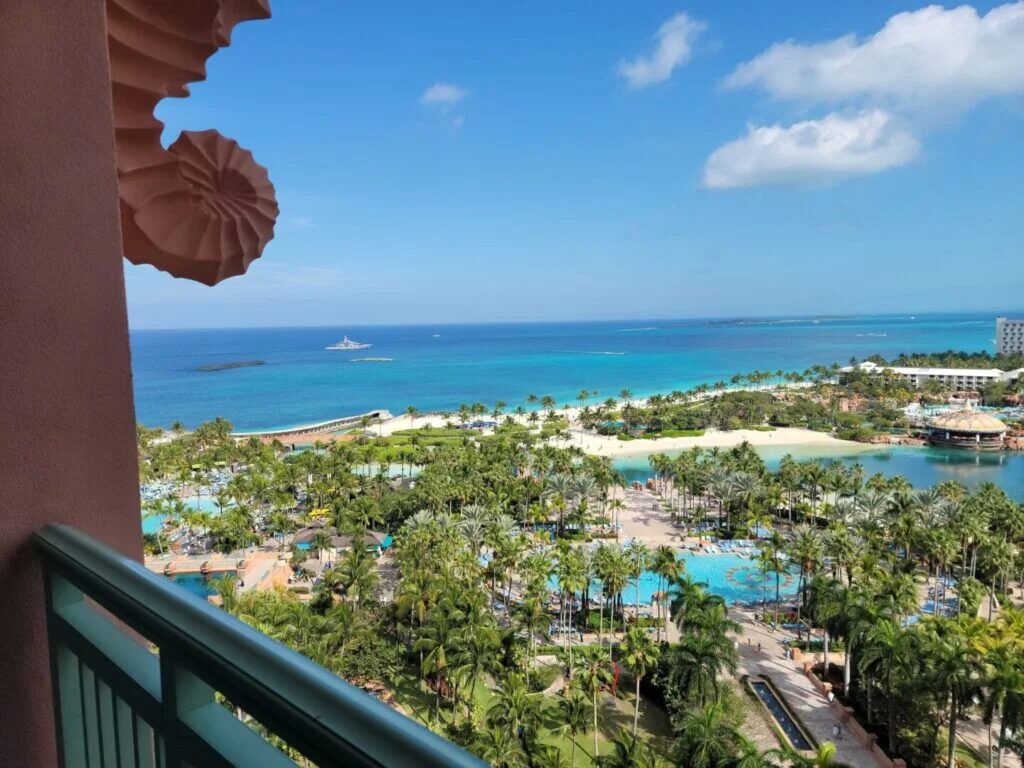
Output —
(347, 343)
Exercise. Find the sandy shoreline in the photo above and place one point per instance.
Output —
(601, 445)
(611, 446)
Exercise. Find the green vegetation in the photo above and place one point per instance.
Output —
(866, 552)
(487, 581)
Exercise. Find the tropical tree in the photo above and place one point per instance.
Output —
(574, 713)
(593, 674)
(639, 655)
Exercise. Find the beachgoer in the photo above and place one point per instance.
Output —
(759, 647)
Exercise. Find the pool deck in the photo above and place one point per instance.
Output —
(259, 565)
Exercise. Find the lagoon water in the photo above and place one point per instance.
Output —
(922, 467)
(438, 367)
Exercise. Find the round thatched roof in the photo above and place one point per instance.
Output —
(968, 421)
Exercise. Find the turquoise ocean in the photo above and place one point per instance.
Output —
(439, 367)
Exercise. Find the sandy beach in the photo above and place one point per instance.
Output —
(601, 445)
(611, 446)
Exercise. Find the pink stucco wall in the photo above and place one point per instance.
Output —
(67, 446)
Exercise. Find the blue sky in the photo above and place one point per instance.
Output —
(468, 161)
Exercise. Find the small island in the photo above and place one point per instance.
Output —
(228, 366)
(372, 360)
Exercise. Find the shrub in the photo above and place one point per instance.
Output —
(543, 676)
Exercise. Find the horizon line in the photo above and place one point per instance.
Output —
(695, 318)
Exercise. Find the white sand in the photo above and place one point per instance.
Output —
(601, 445)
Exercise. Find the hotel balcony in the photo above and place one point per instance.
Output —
(106, 665)
(147, 675)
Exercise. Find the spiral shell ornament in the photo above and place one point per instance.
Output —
(202, 208)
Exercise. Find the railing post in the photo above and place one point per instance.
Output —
(170, 725)
(64, 673)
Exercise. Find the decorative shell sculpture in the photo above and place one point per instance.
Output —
(203, 208)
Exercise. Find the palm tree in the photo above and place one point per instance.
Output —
(1004, 686)
(517, 710)
(772, 551)
(954, 671)
(700, 659)
(707, 738)
(322, 542)
(433, 647)
(824, 757)
(639, 655)
(629, 752)
(807, 550)
(547, 756)
(594, 674)
(887, 650)
(574, 714)
(637, 555)
(500, 748)
(669, 568)
(531, 618)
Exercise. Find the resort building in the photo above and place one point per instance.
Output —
(969, 429)
(106, 663)
(1009, 336)
(374, 542)
(959, 379)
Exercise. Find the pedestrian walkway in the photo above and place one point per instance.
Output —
(762, 652)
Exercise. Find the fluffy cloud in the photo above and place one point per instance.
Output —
(811, 151)
(926, 58)
(443, 95)
(675, 40)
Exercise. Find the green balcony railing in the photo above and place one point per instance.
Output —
(138, 664)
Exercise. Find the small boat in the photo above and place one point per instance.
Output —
(347, 343)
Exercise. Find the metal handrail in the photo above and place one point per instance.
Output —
(313, 710)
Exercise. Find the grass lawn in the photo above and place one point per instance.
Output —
(613, 713)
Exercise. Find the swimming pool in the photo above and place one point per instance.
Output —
(732, 577)
(200, 585)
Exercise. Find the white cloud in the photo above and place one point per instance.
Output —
(812, 151)
(675, 40)
(444, 95)
(932, 57)
(300, 222)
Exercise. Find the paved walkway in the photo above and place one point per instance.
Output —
(798, 691)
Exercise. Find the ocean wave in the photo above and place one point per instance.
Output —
(873, 334)
(633, 330)
(590, 352)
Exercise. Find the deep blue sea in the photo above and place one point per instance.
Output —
(439, 367)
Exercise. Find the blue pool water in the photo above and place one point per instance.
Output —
(198, 584)
(302, 382)
(734, 578)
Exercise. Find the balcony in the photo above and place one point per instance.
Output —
(147, 676)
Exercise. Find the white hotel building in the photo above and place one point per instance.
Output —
(1009, 336)
(961, 379)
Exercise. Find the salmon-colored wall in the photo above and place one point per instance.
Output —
(67, 440)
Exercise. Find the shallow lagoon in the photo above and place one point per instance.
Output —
(923, 467)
